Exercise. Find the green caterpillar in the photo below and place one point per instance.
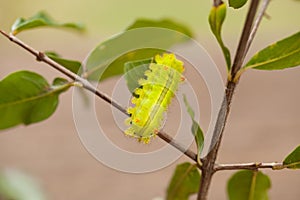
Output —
(152, 99)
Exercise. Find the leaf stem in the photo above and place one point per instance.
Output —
(40, 56)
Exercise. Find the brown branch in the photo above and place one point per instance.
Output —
(256, 24)
(250, 166)
(175, 144)
(244, 40)
(209, 161)
(40, 56)
(88, 86)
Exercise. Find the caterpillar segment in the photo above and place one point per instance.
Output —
(152, 99)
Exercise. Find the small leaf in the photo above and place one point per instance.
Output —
(26, 98)
(19, 186)
(185, 182)
(162, 23)
(237, 3)
(134, 71)
(196, 130)
(292, 161)
(72, 65)
(283, 54)
(216, 18)
(248, 185)
(41, 19)
(108, 58)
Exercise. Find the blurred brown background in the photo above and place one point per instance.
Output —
(263, 126)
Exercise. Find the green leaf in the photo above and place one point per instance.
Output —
(185, 182)
(248, 185)
(280, 55)
(162, 23)
(237, 3)
(72, 65)
(41, 19)
(196, 130)
(216, 18)
(292, 161)
(134, 71)
(27, 98)
(19, 186)
(108, 58)
(107, 68)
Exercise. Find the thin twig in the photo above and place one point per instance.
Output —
(174, 143)
(256, 24)
(209, 161)
(87, 85)
(244, 40)
(40, 56)
(249, 166)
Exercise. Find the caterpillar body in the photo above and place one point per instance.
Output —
(152, 99)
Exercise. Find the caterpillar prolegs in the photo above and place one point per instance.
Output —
(152, 99)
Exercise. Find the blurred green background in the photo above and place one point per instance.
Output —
(108, 17)
(263, 126)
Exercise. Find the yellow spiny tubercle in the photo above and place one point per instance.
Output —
(154, 96)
